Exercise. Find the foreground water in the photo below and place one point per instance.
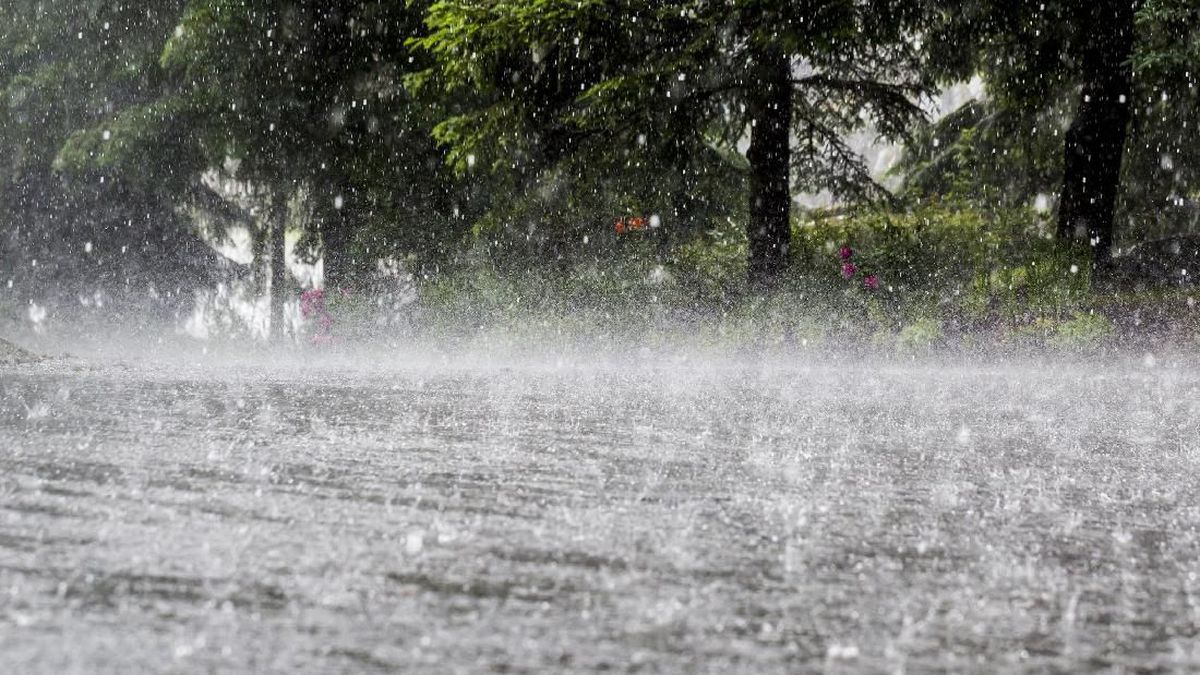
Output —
(749, 515)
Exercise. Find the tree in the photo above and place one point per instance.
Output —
(1095, 142)
(97, 235)
(555, 78)
(1161, 189)
(1122, 76)
(309, 94)
(291, 100)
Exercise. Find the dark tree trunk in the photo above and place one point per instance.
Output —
(258, 258)
(1095, 142)
(278, 264)
(769, 229)
(336, 233)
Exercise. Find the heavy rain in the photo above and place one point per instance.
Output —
(562, 336)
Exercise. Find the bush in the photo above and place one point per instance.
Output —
(939, 273)
(1083, 330)
(1080, 331)
(951, 262)
(920, 334)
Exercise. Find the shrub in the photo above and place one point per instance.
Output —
(969, 267)
(920, 334)
(1084, 329)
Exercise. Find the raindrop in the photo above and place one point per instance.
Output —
(414, 542)
(964, 435)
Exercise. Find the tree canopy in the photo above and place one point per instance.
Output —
(1041, 64)
(432, 132)
(697, 89)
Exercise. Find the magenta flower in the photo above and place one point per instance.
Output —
(848, 269)
(871, 282)
(845, 252)
(312, 302)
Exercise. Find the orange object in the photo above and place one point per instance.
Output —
(632, 224)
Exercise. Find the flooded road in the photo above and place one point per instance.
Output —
(737, 516)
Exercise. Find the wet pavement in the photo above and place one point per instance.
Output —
(741, 515)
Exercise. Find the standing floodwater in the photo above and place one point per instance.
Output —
(716, 516)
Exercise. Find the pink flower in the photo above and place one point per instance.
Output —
(312, 302)
(845, 252)
(871, 282)
(848, 269)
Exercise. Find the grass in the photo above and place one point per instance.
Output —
(949, 276)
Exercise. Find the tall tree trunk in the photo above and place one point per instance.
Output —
(1095, 141)
(279, 213)
(769, 228)
(336, 232)
(260, 276)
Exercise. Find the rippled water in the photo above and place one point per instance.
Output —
(749, 516)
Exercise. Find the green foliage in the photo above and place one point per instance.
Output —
(713, 266)
(987, 154)
(948, 261)
(1161, 176)
(949, 274)
(922, 333)
(1170, 39)
(162, 129)
(618, 303)
(646, 105)
(1007, 149)
(112, 227)
(307, 98)
(490, 144)
(1082, 330)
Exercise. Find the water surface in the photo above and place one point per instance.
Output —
(752, 515)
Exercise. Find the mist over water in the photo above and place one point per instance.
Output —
(380, 508)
